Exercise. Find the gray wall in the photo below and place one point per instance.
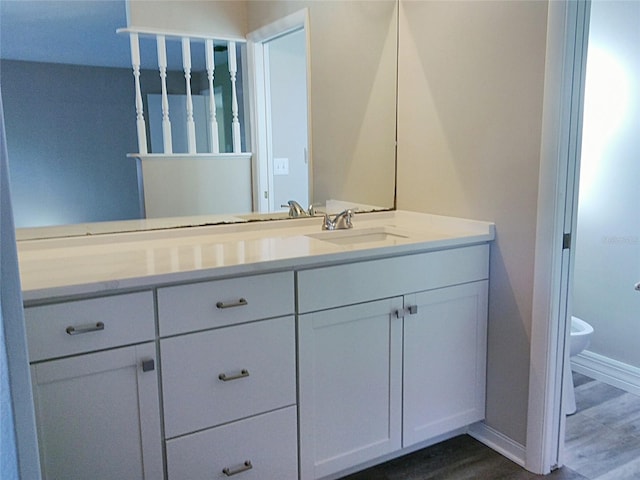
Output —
(69, 129)
(607, 261)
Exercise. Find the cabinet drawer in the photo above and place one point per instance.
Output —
(199, 306)
(329, 287)
(195, 395)
(81, 326)
(265, 447)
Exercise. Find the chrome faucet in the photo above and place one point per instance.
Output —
(341, 221)
(295, 209)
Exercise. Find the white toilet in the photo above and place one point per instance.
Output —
(581, 333)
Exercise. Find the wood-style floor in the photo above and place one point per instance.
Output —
(602, 443)
(602, 438)
(461, 458)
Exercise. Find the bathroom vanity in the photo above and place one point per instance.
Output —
(265, 350)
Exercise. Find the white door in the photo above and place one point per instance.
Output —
(350, 369)
(98, 415)
(445, 345)
(286, 75)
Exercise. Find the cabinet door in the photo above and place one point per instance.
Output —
(444, 361)
(350, 391)
(98, 415)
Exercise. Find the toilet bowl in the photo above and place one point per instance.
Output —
(580, 338)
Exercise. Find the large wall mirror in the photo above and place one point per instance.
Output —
(70, 113)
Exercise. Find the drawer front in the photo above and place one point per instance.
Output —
(329, 287)
(257, 448)
(217, 376)
(187, 308)
(82, 326)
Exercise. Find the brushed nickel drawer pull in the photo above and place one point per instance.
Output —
(85, 329)
(245, 466)
(241, 302)
(243, 373)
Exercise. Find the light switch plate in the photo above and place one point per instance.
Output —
(281, 166)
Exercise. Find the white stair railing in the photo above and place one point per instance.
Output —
(233, 69)
(140, 123)
(162, 65)
(213, 114)
(213, 120)
(186, 64)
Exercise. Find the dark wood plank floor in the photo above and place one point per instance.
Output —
(460, 458)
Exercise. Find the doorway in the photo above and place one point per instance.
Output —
(606, 263)
(568, 28)
(282, 164)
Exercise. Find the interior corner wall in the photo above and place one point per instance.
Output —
(470, 94)
(353, 94)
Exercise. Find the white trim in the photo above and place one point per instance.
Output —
(567, 28)
(259, 168)
(498, 442)
(280, 27)
(192, 156)
(154, 32)
(608, 370)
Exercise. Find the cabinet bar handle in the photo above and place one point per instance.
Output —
(637, 286)
(245, 466)
(241, 302)
(85, 329)
(243, 373)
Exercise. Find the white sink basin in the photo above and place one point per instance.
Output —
(385, 235)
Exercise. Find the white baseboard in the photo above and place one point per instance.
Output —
(498, 442)
(607, 370)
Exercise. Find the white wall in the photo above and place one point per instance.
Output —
(607, 261)
(469, 125)
(221, 18)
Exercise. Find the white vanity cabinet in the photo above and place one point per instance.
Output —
(228, 358)
(255, 353)
(350, 365)
(444, 360)
(95, 386)
(391, 352)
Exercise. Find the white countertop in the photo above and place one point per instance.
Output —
(97, 264)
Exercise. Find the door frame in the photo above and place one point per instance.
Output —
(261, 132)
(567, 39)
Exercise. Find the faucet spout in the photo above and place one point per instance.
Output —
(295, 209)
(341, 221)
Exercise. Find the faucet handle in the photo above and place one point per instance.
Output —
(313, 211)
(327, 224)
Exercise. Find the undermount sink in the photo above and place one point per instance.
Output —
(358, 236)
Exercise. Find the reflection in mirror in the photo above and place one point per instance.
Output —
(71, 120)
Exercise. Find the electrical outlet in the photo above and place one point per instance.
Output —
(281, 166)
